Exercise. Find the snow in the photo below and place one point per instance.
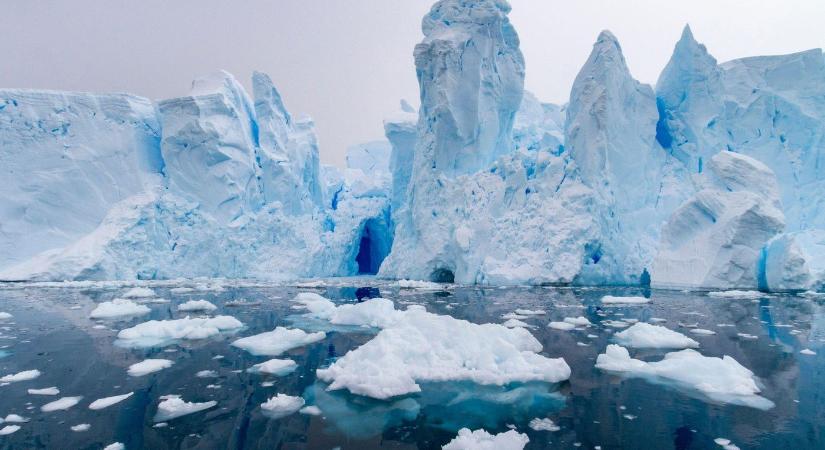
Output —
(281, 405)
(109, 401)
(277, 367)
(278, 341)
(163, 332)
(61, 404)
(172, 407)
(45, 391)
(25, 375)
(148, 366)
(544, 425)
(719, 379)
(197, 305)
(428, 347)
(482, 440)
(9, 429)
(643, 335)
(81, 427)
(609, 299)
(139, 292)
(118, 307)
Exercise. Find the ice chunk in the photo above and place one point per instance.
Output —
(530, 312)
(808, 352)
(702, 331)
(109, 401)
(419, 284)
(14, 418)
(277, 367)
(148, 366)
(197, 305)
(280, 340)
(578, 321)
(163, 332)
(115, 446)
(719, 379)
(515, 323)
(429, 347)
(139, 292)
(482, 440)
(544, 425)
(643, 335)
(25, 375)
(795, 262)
(44, 391)
(5, 315)
(206, 374)
(563, 326)
(81, 427)
(737, 294)
(118, 307)
(9, 429)
(61, 404)
(375, 312)
(311, 410)
(281, 405)
(172, 407)
(609, 299)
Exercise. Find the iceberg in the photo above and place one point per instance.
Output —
(159, 333)
(794, 262)
(278, 341)
(172, 407)
(148, 366)
(281, 405)
(482, 440)
(119, 307)
(644, 335)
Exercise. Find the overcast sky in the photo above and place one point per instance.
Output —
(346, 63)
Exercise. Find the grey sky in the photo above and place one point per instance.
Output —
(346, 63)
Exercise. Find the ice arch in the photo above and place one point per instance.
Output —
(373, 247)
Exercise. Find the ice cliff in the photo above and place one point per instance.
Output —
(714, 179)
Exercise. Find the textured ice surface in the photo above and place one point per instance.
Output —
(795, 262)
(277, 367)
(197, 305)
(172, 407)
(164, 332)
(719, 379)
(118, 307)
(482, 440)
(278, 341)
(281, 405)
(644, 335)
(148, 366)
(427, 347)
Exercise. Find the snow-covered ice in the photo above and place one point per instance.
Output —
(81, 427)
(281, 405)
(277, 367)
(197, 305)
(109, 401)
(736, 294)
(172, 407)
(545, 424)
(610, 299)
(25, 375)
(278, 341)
(563, 326)
(9, 429)
(139, 292)
(719, 379)
(115, 446)
(14, 418)
(644, 335)
(482, 440)
(148, 366)
(163, 332)
(61, 404)
(45, 391)
(118, 307)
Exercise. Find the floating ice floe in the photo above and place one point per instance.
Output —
(80, 427)
(108, 401)
(563, 326)
(281, 405)
(530, 312)
(277, 367)
(719, 379)
(644, 335)
(375, 312)
(14, 418)
(197, 305)
(702, 332)
(61, 404)
(421, 285)
(725, 444)
(206, 374)
(25, 375)
(9, 429)
(139, 292)
(807, 351)
(311, 410)
(737, 294)
(515, 323)
(278, 341)
(181, 290)
(578, 321)
(163, 332)
(172, 407)
(119, 307)
(544, 425)
(148, 366)
(482, 440)
(610, 299)
(428, 347)
(115, 446)
(747, 336)
(5, 315)
(45, 391)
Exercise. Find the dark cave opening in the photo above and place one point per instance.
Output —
(442, 275)
(373, 247)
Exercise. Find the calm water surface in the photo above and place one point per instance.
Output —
(51, 332)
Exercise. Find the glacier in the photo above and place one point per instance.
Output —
(712, 178)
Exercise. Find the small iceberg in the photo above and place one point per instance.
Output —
(25, 375)
(278, 341)
(720, 379)
(148, 366)
(119, 307)
(164, 332)
(45, 391)
(61, 404)
(482, 440)
(108, 401)
(139, 292)
(197, 305)
(645, 335)
(172, 407)
(278, 367)
(281, 405)
(612, 300)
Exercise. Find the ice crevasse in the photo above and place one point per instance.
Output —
(713, 178)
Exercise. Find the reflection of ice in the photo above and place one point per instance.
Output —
(447, 406)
